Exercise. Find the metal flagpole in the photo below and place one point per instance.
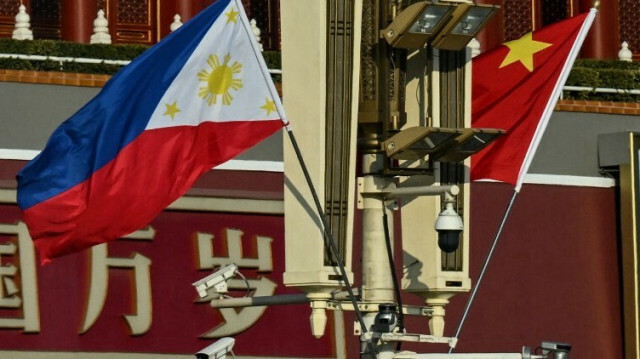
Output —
(484, 268)
(329, 240)
(546, 115)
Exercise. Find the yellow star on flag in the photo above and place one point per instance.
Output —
(269, 106)
(172, 109)
(522, 50)
(232, 16)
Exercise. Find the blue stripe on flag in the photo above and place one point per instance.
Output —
(116, 116)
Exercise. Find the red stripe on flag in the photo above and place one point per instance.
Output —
(146, 176)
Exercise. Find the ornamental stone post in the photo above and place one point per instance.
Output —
(22, 31)
(100, 30)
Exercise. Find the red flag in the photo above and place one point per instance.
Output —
(515, 88)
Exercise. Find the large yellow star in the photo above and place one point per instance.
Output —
(269, 106)
(232, 16)
(522, 50)
(172, 109)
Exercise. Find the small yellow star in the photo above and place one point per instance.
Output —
(269, 106)
(232, 16)
(522, 50)
(172, 109)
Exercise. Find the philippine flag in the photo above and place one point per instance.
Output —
(195, 100)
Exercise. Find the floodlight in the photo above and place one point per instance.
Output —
(469, 142)
(417, 24)
(467, 21)
(417, 142)
(439, 143)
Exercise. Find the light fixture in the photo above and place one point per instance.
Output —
(439, 143)
(471, 140)
(417, 142)
(467, 21)
(445, 25)
(417, 24)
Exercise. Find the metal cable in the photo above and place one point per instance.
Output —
(484, 267)
(329, 241)
(392, 267)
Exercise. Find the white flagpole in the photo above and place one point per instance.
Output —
(546, 115)
(263, 66)
(555, 95)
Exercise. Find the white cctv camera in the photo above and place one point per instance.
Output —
(217, 280)
(557, 349)
(449, 225)
(217, 350)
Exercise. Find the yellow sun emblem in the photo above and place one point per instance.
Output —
(219, 81)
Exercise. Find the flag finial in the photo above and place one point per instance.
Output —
(596, 4)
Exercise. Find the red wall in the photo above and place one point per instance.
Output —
(554, 276)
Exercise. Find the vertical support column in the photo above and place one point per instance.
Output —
(604, 38)
(318, 79)
(76, 23)
(377, 283)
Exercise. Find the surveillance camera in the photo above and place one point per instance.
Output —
(557, 349)
(385, 321)
(449, 226)
(217, 280)
(217, 350)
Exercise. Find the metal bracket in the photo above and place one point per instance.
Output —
(408, 337)
(414, 310)
(396, 192)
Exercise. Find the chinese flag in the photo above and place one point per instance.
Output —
(515, 88)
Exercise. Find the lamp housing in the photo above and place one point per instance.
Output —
(470, 141)
(417, 24)
(417, 142)
(466, 22)
(439, 143)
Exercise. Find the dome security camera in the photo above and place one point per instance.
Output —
(449, 226)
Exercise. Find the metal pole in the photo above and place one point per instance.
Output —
(484, 268)
(329, 240)
(260, 301)
(377, 281)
